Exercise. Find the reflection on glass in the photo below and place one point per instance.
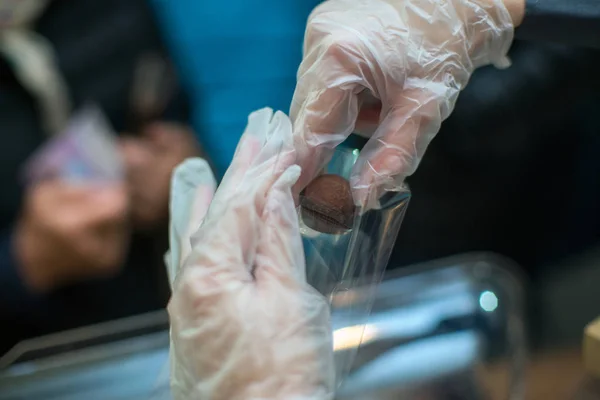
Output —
(488, 301)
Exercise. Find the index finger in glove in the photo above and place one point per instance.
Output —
(324, 120)
(341, 67)
(395, 150)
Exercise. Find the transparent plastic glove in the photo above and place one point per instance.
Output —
(192, 189)
(244, 323)
(391, 70)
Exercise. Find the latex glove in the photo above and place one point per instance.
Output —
(244, 322)
(391, 70)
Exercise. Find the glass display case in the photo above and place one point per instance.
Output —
(449, 329)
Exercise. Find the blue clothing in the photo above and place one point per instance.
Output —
(234, 57)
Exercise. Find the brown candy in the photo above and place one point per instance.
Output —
(327, 205)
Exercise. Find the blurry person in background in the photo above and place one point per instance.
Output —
(72, 255)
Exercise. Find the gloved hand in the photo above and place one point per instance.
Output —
(244, 322)
(391, 70)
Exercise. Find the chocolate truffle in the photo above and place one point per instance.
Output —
(327, 205)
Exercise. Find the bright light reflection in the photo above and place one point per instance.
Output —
(353, 336)
(488, 301)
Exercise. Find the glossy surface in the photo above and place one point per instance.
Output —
(436, 332)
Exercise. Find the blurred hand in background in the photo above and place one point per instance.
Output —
(69, 233)
(149, 161)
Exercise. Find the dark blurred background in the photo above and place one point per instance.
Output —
(514, 169)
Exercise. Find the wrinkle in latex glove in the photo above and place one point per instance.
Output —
(244, 322)
(391, 70)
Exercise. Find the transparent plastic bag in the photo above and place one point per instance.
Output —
(338, 263)
(448, 329)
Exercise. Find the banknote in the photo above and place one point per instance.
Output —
(87, 150)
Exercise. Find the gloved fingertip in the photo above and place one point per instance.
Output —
(291, 175)
(191, 173)
(503, 63)
(282, 126)
(258, 121)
